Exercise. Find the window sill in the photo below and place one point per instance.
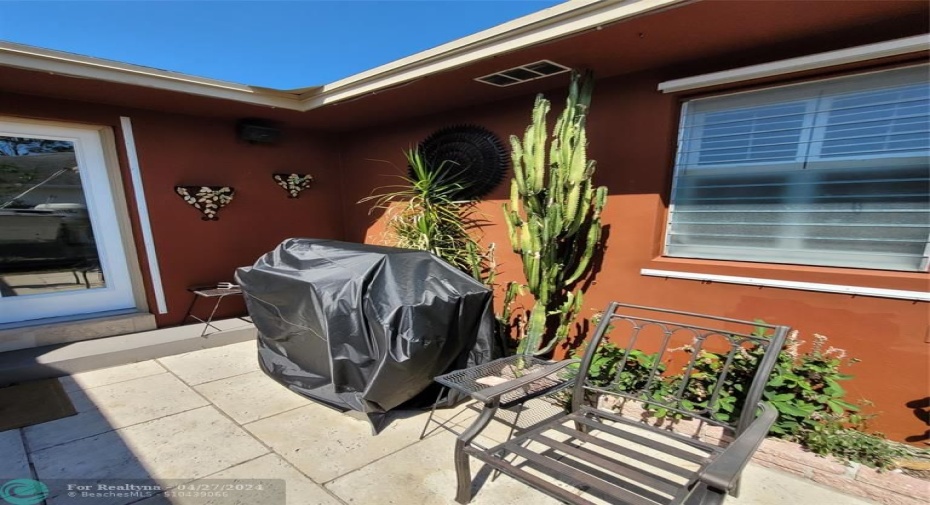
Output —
(828, 280)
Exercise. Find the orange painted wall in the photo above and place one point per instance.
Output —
(632, 131)
(176, 149)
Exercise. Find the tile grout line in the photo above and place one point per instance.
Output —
(411, 444)
(29, 463)
(162, 366)
(81, 388)
(214, 380)
(112, 429)
(246, 424)
(162, 492)
(324, 483)
(261, 442)
(168, 369)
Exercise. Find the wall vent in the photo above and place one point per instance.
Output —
(523, 73)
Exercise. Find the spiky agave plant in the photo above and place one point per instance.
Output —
(423, 214)
(553, 216)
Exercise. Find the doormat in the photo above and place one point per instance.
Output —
(33, 402)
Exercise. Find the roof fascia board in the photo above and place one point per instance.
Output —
(58, 62)
(855, 54)
(549, 24)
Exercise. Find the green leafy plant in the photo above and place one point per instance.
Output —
(422, 214)
(840, 436)
(553, 217)
(803, 386)
(636, 371)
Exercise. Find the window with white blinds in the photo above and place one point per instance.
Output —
(833, 172)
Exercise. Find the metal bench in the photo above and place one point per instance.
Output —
(667, 425)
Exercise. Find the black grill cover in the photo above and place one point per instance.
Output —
(364, 327)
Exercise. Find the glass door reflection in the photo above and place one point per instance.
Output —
(46, 238)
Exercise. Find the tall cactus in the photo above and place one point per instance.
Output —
(553, 216)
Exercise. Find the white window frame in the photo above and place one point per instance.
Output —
(686, 156)
(817, 61)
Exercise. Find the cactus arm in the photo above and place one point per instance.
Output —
(510, 220)
(518, 160)
(539, 167)
(579, 163)
(593, 236)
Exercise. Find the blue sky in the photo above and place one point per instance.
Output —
(279, 44)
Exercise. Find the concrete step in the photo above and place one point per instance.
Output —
(65, 359)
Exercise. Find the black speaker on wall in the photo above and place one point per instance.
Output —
(257, 132)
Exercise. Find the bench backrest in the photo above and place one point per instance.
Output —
(680, 363)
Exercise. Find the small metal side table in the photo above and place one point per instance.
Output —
(472, 380)
(209, 292)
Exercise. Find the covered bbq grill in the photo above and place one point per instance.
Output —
(364, 327)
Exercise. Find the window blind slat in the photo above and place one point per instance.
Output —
(734, 250)
(786, 211)
(797, 223)
(802, 183)
(920, 114)
(923, 135)
(915, 120)
(807, 198)
(870, 260)
(918, 238)
(751, 114)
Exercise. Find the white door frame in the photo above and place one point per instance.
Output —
(95, 155)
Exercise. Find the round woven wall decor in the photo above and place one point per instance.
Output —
(474, 157)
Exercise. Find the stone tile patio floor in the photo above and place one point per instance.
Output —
(213, 414)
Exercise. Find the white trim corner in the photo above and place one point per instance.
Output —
(810, 62)
(899, 294)
(141, 206)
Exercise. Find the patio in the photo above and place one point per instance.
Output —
(212, 414)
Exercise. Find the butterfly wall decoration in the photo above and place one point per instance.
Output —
(293, 183)
(207, 199)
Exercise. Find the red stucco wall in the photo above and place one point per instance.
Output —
(186, 150)
(632, 131)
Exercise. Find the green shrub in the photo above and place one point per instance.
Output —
(804, 387)
(832, 437)
(635, 374)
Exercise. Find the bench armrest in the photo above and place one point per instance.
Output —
(486, 395)
(723, 473)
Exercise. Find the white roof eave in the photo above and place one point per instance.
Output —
(558, 21)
